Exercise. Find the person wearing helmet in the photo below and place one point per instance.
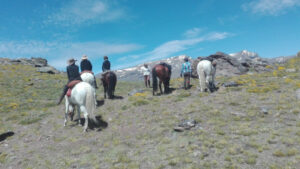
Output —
(146, 73)
(106, 64)
(73, 74)
(186, 72)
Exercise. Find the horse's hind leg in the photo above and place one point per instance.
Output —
(160, 82)
(201, 80)
(78, 115)
(86, 117)
(105, 90)
(67, 104)
(208, 82)
(66, 113)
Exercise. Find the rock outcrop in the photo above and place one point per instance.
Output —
(229, 66)
(40, 63)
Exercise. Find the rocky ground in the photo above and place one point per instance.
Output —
(253, 125)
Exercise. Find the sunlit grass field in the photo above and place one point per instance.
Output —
(254, 125)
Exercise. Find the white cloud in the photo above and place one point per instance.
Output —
(57, 53)
(78, 12)
(171, 48)
(270, 7)
(192, 33)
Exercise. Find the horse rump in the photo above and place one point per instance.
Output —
(109, 81)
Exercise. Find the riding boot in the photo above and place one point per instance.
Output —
(63, 94)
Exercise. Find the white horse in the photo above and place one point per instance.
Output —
(206, 72)
(83, 97)
(89, 78)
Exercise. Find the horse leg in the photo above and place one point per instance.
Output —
(165, 87)
(201, 80)
(105, 89)
(208, 82)
(95, 99)
(67, 111)
(160, 82)
(78, 115)
(86, 115)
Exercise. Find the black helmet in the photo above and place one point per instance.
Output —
(105, 57)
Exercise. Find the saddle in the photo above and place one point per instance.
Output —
(71, 85)
(86, 71)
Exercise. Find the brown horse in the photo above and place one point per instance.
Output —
(109, 81)
(163, 72)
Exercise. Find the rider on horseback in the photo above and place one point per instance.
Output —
(73, 74)
(186, 71)
(85, 65)
(106, 64)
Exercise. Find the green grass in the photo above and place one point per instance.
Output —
(231, 131)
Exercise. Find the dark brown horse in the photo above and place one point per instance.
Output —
(163, 72)
(109, 81)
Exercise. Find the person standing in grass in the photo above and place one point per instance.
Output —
(146, 73)
(186, 72)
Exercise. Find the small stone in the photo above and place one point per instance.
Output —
(264, 111)
(230, 84)
(178, 129)
(298, 94)
(290, 70)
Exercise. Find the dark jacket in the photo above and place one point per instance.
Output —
(86, 65)
(105, 65)
(73, 72)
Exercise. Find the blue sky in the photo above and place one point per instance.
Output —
(132, 32)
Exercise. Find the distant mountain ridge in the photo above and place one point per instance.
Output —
(135, 73)
(228, 65)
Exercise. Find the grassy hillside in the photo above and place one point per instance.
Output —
(254, 125)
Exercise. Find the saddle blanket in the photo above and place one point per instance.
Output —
(71, 85)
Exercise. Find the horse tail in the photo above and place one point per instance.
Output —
(201, 74)
(91, 104)
(111, 84)
(170, 74)
(154, 79)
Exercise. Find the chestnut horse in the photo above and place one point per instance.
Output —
(109, 81)
(163, 72)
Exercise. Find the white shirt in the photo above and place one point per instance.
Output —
(146, 71)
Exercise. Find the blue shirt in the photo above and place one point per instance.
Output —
(186, 68)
